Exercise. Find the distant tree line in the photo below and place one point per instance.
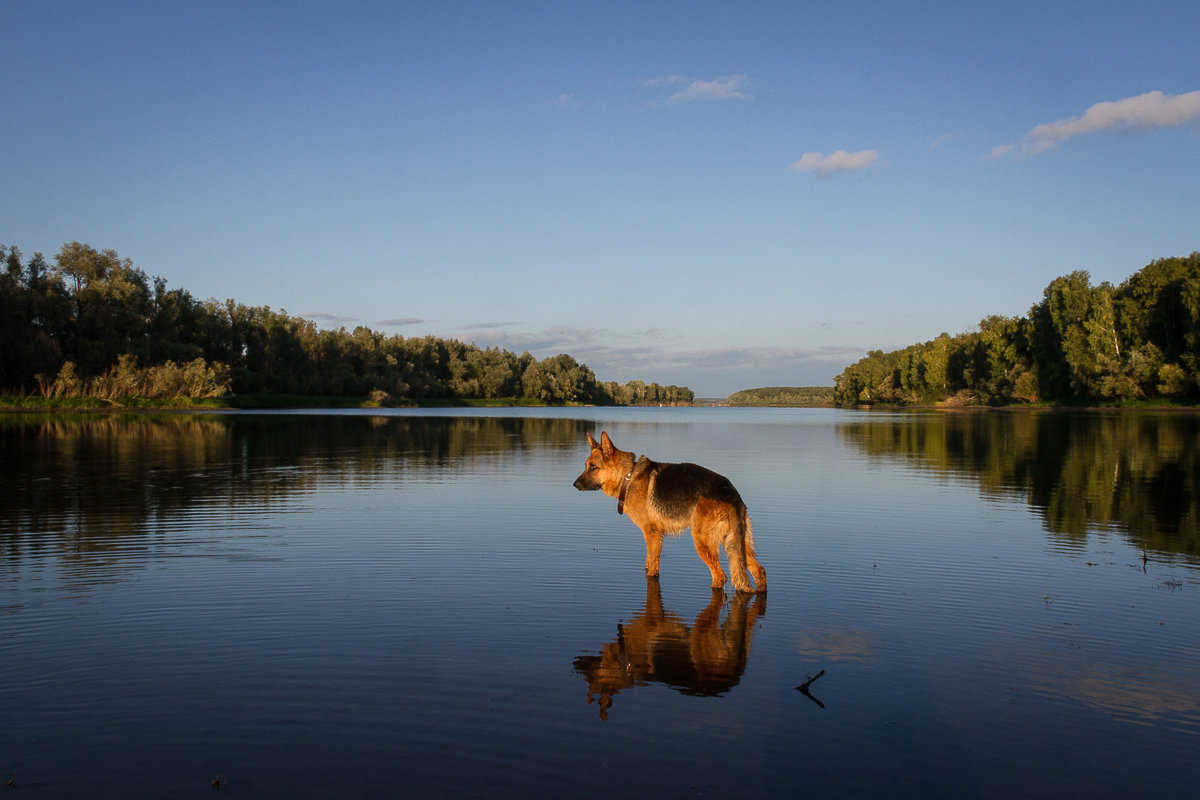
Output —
(92, 323)
(637, 393)
(802, 396)
(1080, 343)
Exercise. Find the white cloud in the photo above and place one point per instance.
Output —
(726, 88)
(568, 101)
(1140, 113)
(839, 161)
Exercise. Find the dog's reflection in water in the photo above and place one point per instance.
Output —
(704, 658)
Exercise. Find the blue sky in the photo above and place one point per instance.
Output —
(718, 195)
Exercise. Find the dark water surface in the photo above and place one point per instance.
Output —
(418, 604)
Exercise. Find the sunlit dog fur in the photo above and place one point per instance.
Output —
(666, 499)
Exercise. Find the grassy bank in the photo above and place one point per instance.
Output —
(38, 403)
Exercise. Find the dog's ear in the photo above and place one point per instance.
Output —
(594, 444)
(606, 445)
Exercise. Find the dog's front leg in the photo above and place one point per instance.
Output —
(654, 542)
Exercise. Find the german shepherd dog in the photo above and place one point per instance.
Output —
(664, 499)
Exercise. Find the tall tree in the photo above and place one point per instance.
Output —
(112, 306)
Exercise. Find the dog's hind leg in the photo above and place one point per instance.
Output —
(706, 548)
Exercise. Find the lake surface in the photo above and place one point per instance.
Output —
(418, 604)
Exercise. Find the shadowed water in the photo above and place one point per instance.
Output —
(419, 604)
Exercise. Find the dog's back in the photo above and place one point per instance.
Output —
(676, 488)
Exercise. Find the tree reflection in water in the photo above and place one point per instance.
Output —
(84, 486)
(1133, 472)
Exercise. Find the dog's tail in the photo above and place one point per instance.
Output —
(742, 557)
(756, 569)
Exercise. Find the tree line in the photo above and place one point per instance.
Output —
(1079, 344)
(93, 323)
(793, 396)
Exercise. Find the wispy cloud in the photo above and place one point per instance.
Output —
(762, 357)
(662, 80)
(941, 140)
(654, 354)
(719, 371)
(551, 341)
(400, 322)
(650, 345)
(686, 90)
(325, 318)
(730, 87)
(1143, 112)
(670, 90)
(486, 326)
(838, 161)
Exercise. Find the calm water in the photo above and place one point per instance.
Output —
(419, 604)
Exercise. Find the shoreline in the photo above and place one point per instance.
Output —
(117, 408)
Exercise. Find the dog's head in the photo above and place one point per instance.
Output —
(599, 462)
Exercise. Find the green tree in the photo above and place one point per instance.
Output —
(174, 325)
(1004, 358)
(111, 306)
(559, 379)
(936, 360)
(34, 318)
(1067, 302)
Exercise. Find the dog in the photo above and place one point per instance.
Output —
(665, 499)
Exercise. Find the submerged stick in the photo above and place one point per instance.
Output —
(803, 688)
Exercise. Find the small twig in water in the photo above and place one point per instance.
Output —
(803, 688)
